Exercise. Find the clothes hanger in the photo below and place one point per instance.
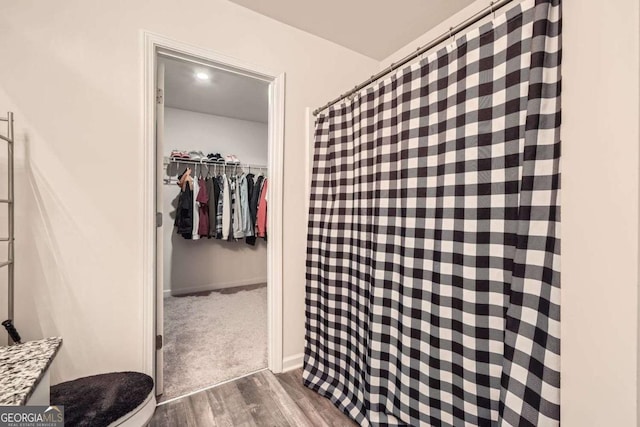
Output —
(184, 178)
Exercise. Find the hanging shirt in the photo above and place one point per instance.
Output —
(226, 209)
(247, 225)
(219, 212)
(236, 209)
(253, 208)
(250, 235)
(196, 209)
(255, 197)
(212, 205)
(242, 206)
(261, 223)
(203, 206)
(184, 212)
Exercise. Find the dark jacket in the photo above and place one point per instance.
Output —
(184, 213)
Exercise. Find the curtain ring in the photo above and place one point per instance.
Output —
(492, 10)
(352, 95)
(452, 37)
(422, 55)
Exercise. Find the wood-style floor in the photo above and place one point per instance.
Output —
(261, 399)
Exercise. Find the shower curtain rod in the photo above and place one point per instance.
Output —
(495, 5)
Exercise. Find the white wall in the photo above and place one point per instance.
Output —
(600, 193)
(189, 130)
(205, 264)
(600, 164)
(72, 70)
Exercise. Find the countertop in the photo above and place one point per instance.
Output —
(22, 367)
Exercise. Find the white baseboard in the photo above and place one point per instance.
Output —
(290, 363)
(214, 286)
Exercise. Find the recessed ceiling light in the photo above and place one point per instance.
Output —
(202, 76)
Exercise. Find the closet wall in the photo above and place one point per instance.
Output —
(205, 264)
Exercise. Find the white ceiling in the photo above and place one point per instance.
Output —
(375, 28)
(224, 94)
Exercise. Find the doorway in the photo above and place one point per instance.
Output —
(213, 308)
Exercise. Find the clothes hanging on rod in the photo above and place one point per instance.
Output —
(223, 207)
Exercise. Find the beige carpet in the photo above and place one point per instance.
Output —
(213, 337)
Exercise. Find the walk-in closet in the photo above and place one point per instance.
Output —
(213, 135)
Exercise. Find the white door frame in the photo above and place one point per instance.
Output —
(152, 44)
(308, 155)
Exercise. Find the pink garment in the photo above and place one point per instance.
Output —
(261, 221)
(203, 208)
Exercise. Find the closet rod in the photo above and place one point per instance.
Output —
(211, 163)
(495, 5)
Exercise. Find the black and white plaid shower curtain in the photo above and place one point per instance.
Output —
(433, 283)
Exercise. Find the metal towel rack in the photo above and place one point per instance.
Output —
(9, 263)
